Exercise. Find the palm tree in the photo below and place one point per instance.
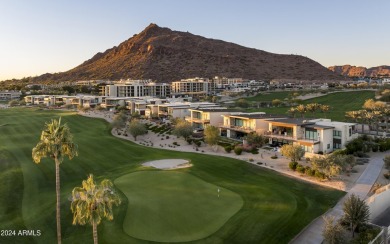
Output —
(311, 107)
(92, 202)
(301, 109)
(324, 109)
(292, 112)
(56, 142)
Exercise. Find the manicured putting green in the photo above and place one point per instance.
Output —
(169, 206)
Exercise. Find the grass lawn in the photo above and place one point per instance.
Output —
(270, 96)
(171, 206)
(340, 102)
(275, 208)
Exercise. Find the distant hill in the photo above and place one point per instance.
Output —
(353, 71)
(165, 55)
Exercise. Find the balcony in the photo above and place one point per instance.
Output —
(162, 113)
(284, 136)
(238, 128)
(196, 120)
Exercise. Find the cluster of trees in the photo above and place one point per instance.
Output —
(332, 164)
(384, 95)
(373, 112)
(326, 166)
(311, 107)
(134, 127)
(182, 128)
(90, 203)
(293, 152)
(355, 217)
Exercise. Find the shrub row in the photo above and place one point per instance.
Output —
(306, 170)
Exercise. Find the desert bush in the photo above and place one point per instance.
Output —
(300, 169)
(228, 148)
(293, 165)
(238, 150)
(319, 175)
(387, 161)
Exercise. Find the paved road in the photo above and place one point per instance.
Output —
(312, 234)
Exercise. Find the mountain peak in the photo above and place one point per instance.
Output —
(164, 55)
(360, 71)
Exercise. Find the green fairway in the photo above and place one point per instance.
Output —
(170, 206)
(275, 208)
(270, 96)
(339, 102)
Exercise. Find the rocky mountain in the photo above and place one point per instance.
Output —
(353, 71)
(165, 55)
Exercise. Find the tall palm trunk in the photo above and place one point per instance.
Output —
(58, 192)
(95, 234)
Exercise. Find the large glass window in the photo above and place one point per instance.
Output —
(308, 149)
(336, 145)
(311, 134)
(336, 133)
(238, 122)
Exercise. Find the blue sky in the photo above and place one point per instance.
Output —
(40, 36)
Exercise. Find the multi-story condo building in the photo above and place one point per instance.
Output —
(137, 88)
(224, 82)
(9, 95)
(192, 87)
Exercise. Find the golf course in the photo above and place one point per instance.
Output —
(339, 103)
(217, 200)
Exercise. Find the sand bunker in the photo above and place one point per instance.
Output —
(168, 164)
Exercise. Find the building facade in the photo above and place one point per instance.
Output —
(137, 88)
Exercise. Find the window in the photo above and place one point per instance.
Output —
(311, 134)
(336, 145)
(350, 131)
(328, 146)
(238, 122)
(308, 149)
(336, 133)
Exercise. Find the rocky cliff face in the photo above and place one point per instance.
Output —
(165, 55)
(353, 71)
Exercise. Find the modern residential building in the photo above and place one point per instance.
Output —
(238, 125)
(342, 132)
(10, 95)
(58, 100)
(192, 87)
(202, 117)
(315, 135)
(181, 109)
(137, 88)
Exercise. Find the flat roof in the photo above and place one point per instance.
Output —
(319, 127)
(214, 109)
(334, 123)
(294, 121)
(255, 116)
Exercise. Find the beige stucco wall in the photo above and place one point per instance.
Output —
(214, 117)
(326, 137)
(378, 203)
